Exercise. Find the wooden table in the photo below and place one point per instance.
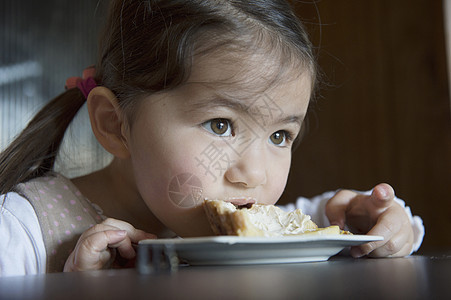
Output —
(415, 277)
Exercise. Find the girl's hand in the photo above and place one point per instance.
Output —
(376, 214)
(97, 246)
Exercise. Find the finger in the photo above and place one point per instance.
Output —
(382, 195)
(336, 207)
(97, 228)
(125, 248)
(119, 224)
(381, 230)
(137, 235)
(88, 249)
(134, 234)
(405, 250)
(92, 252)
(399, 245)
(388, 225)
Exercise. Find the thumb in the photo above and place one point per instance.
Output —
(336, 207)
(382, 196)
(125, 247)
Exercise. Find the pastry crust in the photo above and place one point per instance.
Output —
(260, 220)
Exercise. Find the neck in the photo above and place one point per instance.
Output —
(113, 189)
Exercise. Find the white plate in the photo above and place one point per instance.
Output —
(234, 250)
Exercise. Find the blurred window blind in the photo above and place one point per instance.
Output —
(42, 44)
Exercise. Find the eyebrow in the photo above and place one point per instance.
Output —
(238, 105)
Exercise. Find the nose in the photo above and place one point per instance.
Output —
(249, 169)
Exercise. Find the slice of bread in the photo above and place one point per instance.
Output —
(260, 220)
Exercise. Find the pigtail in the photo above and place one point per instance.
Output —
(33, 152)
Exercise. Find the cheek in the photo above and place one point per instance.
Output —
(172, 186)
(277, 181)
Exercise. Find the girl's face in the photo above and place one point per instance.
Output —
(223, 135)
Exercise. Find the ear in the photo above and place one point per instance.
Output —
(107, 121)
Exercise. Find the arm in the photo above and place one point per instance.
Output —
(22, 249)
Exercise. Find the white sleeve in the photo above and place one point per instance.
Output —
(316, 208)
(22, 249)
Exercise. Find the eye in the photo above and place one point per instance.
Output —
(280, 138)
(219, 127)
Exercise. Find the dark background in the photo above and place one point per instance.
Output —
(384, 111)
(382, 115)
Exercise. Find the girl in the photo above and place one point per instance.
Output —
(194, 99)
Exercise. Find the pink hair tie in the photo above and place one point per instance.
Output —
(85, 84)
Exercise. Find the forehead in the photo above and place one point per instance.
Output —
(246, 77)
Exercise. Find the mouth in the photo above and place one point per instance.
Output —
(241, 202)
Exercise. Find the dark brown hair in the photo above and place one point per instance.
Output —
(147, 47)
